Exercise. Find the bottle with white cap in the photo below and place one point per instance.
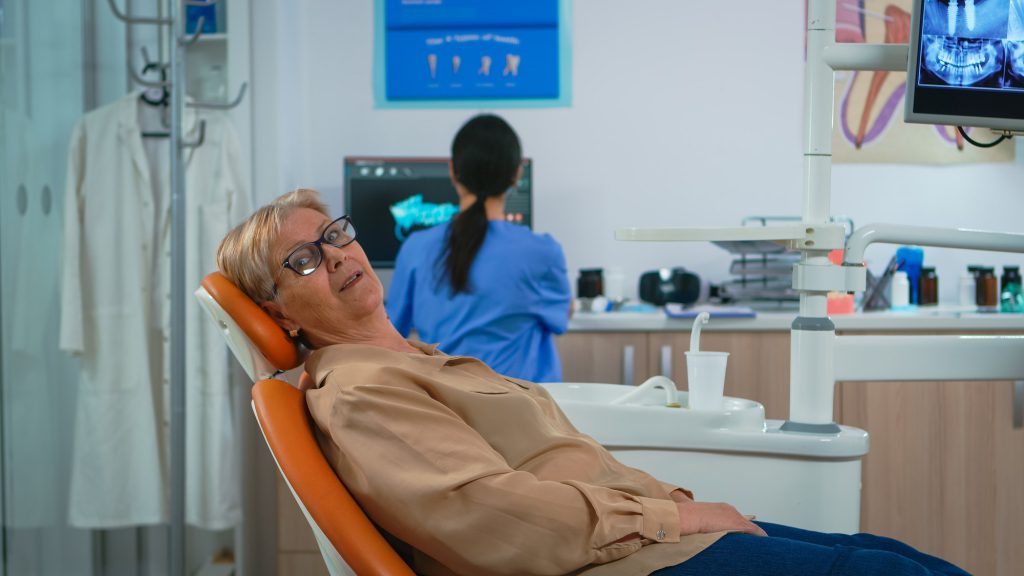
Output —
(968, 290)
(900, 295)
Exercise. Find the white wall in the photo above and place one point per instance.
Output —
(683, 113)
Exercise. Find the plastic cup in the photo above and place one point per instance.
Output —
(705, 372)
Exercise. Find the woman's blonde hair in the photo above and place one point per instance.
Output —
(244, 254)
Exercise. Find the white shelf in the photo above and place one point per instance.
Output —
(773, 233)
(216, 37)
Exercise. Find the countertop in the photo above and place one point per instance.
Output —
(927, 319)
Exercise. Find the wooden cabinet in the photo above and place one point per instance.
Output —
(945, 473)
(606, 357)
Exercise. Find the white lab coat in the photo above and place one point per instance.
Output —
(116, 231)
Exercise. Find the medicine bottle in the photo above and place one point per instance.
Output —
(987, 288)
(899, 295)
(590, 283)
(975, 271)
(929, 295)
(1011, 297)
(968, 293)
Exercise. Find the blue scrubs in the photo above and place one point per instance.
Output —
(518, 299)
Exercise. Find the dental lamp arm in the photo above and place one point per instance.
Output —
(928, 236)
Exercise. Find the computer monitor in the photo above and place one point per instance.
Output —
(966, 65)
(390, 198)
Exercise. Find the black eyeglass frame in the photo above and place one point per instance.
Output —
(318, 245)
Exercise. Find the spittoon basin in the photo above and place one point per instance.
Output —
(730, 455)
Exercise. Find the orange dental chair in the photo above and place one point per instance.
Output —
(348, 540)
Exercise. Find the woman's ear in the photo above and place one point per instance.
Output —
(273, 309)
(518, 176)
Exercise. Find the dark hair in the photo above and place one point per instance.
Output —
(485, 159)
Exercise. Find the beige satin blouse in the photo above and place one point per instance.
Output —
(481, 474)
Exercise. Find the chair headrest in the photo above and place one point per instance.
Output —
(260, 345)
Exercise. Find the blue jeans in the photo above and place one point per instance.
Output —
(795, 552)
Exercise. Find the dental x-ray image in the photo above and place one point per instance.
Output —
(966, 43)
(1015, 64)
(955, 61)
(1016, 26)
(966, 18)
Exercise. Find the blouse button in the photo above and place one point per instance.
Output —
(660, 535)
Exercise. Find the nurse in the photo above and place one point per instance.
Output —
(479, 285)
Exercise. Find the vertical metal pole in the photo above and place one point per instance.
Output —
(812, 336)
(89, 91)
(177, 353)
(5, 196)
(129, 41)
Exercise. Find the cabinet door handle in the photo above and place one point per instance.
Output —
(666, 360)
(1018, 404)
(627, 364)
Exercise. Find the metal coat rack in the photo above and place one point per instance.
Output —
(174, 83)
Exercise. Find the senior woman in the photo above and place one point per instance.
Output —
(471, 472)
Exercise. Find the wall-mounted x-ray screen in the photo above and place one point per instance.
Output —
(966, 63)
(458, 52)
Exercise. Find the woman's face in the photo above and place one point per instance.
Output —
(334, 301)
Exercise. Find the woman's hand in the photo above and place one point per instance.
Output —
(705, 517)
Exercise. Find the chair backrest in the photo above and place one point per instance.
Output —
(342, 529)
(348, 540)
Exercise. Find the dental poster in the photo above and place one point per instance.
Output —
(869, 125)
(458, 50)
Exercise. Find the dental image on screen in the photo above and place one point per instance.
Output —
(386, 211)
(970, 44)
(966, 18)
(390, 198)
(1015, 46)
(1016, 24)
(1015, 64)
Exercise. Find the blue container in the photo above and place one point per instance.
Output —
(911, 258)
(207, 13)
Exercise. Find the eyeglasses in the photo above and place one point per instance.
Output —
(305, 259)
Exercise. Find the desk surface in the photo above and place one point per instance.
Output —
(930, 319)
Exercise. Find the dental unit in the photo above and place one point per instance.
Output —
(814, 368)
(818, 357)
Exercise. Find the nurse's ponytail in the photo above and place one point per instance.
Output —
(485, 159)
(465, 236)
